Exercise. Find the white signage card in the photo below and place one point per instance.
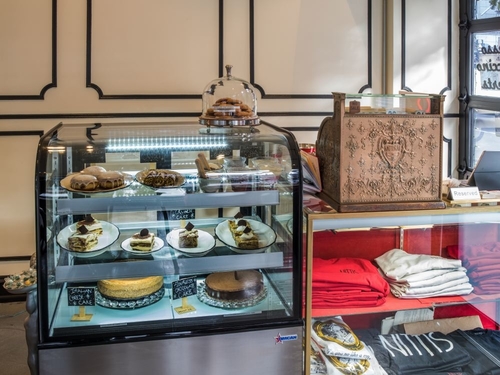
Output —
(464, 193)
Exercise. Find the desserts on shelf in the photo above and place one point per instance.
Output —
(130, 288)
(247, 240)
(234, 285)
(93, 170)
(227, 108)
(158, 178)
(82, 240)
(95, 178)
(92, 224)
(84, 182)
(243, 234)
(142, 241)
(209, 183)
(110, 179)
(188, 237)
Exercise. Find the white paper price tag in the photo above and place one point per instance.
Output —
(464, 193)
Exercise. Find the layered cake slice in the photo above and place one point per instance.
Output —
(82, 240)
(188, 237)
(243, 234)
(247, 240)
(142, 241)
(92, 225)
(238, 226)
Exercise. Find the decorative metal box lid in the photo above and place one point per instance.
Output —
(229, 101)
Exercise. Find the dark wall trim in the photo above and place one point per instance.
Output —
(403, 47)
(448, 165)
(55, 116)
(20, 258)
(52, 84)
(21, 133)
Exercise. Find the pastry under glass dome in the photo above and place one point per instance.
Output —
(229, 101)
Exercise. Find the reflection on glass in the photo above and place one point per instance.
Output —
(486, 132)
(486, 63)
(486, 9)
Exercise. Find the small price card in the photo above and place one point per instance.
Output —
(184, 288)
(81, 296)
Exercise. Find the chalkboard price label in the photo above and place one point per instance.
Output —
(184, 287)
(81, 296)
(186, 214)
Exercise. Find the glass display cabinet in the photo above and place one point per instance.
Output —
(171, 247)
(388, 279)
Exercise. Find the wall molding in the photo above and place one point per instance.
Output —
(52, 84)
(265, 95)
(100, 92)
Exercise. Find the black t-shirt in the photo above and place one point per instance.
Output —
(430, 353)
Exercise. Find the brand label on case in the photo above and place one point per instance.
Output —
(280, 339)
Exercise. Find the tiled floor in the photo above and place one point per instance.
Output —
(13, 349)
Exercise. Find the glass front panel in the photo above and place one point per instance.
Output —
(425, 272)
(161, 199)
(486, 132)
(486, 63)
(486, 9)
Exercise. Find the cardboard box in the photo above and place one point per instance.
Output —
(443, 325)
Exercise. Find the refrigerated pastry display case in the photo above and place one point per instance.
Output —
(152, 183)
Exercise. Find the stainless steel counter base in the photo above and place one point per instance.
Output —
(275, 351)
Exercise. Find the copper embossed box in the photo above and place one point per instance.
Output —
(382, 152)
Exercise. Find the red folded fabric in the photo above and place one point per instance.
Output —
(347, 282)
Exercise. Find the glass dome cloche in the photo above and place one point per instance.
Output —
(229, 101)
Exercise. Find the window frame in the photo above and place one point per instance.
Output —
(468, 103)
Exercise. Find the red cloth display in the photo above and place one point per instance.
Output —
(347, 282)
(482, 263)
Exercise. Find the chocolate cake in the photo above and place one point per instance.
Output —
(234, 285)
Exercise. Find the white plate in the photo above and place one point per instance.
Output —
(158, 245)
(66, 184)
(266, 234)
(21, 290)
(206, 242)
(110, 234)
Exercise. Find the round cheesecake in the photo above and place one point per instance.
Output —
(131, 288)
(234, 285)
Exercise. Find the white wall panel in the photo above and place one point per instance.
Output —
(18, 196)
(25, 46)
(154, 46)
(311, 47)
(426, 43)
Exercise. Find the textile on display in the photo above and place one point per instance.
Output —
(422, 276)
(341, 350)
(347, 282)
(482, 263)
